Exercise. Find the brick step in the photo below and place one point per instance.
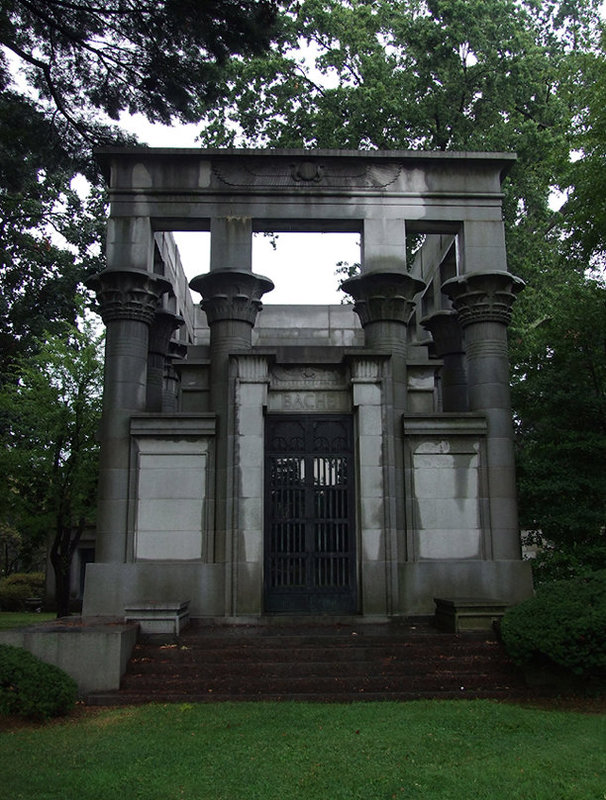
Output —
(328, 651)
(287, 640)
(463, 665)
(123, 698)
(321, 663)
(311, 682)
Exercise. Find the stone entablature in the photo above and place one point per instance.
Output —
(309, 389)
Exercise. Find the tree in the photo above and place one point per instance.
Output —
(81, 64)
(584, 213)
(471, 75)
(48, 449)
(160, 58)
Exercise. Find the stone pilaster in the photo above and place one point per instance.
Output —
(164, 324)
(246, 556)
(128, 300)
(384, 302)
(448, 345)
(483, 302)
(231, 300)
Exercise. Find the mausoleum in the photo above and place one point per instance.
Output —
(339, 460)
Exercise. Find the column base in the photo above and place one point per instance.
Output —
(422, 581)
(111, 588)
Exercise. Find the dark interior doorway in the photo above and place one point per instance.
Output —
(310, 559)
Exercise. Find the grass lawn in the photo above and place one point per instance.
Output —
(17, 619)
(463, 750)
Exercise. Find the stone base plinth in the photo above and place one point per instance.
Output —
(455, 615)
(165, 618)
(421, 581)
(111, 588)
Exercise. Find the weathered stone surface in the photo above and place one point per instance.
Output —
(185, 491)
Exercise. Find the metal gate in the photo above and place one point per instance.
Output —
(310, 563)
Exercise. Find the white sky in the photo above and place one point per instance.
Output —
(302, 266)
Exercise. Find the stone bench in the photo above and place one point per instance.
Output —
(160, 618)
(457, 614)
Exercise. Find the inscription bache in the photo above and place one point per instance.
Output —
(335, 402)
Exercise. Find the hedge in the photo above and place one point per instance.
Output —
(31, 688)
(17, 588)
(564, 623)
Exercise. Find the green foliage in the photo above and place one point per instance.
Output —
(31, 688)
(565, 624)
(18, 587)
(569, 560)
(21, 619)
(48, 448)
(80, 65)
(559, 396)
(435, 74)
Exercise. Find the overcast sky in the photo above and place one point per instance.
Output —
(302, 266)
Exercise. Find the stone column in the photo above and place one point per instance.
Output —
(231, 300)
(483, 302)
(128, 300)
(176, 352)
(164, 324)
(448, 345)
(384, 303)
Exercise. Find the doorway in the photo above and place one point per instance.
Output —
(310, 554)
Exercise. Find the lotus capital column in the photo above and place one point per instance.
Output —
(483, 302)
(128, 300)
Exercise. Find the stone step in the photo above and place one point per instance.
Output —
(315, 685)
(321, 665)
(335, 650)
(318, 663)
(123, 698)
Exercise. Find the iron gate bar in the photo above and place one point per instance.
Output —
(310, 563)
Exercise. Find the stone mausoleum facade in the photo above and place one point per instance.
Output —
(346, 459)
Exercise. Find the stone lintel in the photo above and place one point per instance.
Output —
(128, 294)
(483, 296)
(446, 424)
(173, 425)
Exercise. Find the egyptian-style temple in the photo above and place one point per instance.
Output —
(334, 460)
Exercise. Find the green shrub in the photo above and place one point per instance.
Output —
(31, 688)
(17, 588)
(565, 623)
(563, 562)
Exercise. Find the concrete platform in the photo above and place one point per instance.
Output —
(94, 651)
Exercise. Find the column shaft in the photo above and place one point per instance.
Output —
(128, 301)
(231, 300)
(448, 345)
(483, 302)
